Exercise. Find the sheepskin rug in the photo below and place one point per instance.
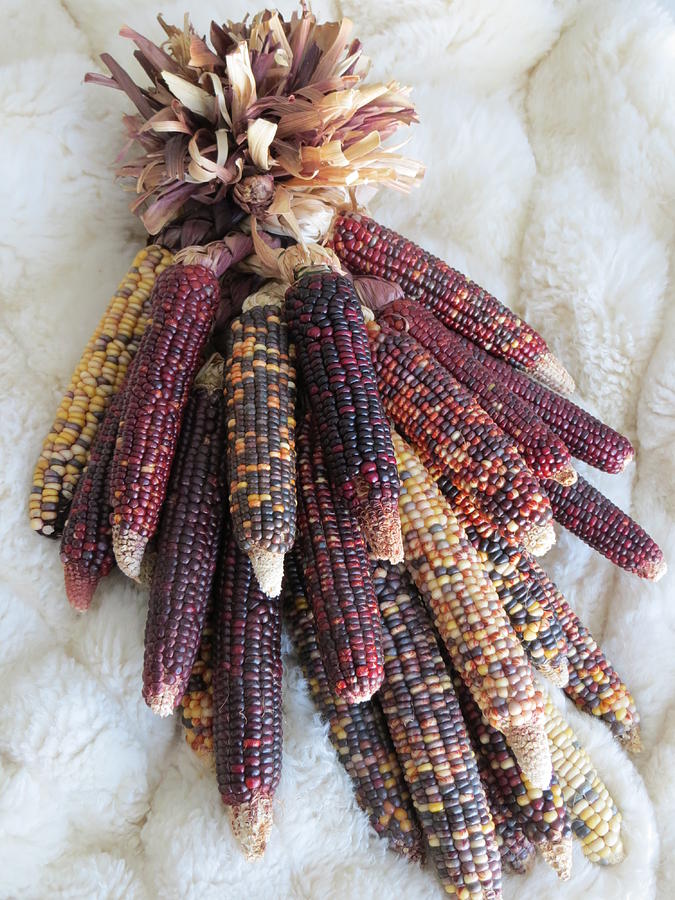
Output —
(548, 130)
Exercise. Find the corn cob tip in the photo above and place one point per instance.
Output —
(540, 539)
(381, 526)
(632, 740)
(268, 568)
(524, 864)
(558, 857)
(550, 372)
(129, 549)
(251, 823)
(79, 588)
(654, 569)
(165, 702)
(147, 569)
(357, 691)
(565, 476)
(628, 459)
(558, 675)
(531, 749)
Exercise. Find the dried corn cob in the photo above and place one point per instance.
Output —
(247, 699)
(187, 544)
(594, 817)
(540, 813)
(96, 379)
(368, 248)
(431, 742)
(357, 731)
(591, 516)
(326, 324)
(337, 574)
(196, 707)
(456, 438)
(594, 684)
(586, 437)
(543, 451)
(260, 391)
(184, 302)
(86, 548)
(469, 617)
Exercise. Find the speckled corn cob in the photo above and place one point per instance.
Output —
(96, 379)
(196, 705)
(247, 699)
(432, 745)
(369, 249)
(594, 685)
(457, 438)
(187, 544)
(543, 451)
(469, 617)
(595, 820)
(357, 731)
(86, 547)
(337, 575)
(591, 516)
(184, 302)
(260, 391)
(327, 327)
(540, 813)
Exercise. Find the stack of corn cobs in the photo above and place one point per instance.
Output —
(369, 446)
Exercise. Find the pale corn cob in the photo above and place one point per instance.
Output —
(469, 617)
(595, 820)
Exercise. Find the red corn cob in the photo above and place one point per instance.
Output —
(594, 685)
(369, 249)
(187, 545)
(543, 451)
(357, 731)
(586, 437)
(455, 437)
(247, 699)
(86, 547)
(337, 574)
(591, 516)
(327, 327)
(432, 745)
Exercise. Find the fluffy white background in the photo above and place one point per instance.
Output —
(548, 128)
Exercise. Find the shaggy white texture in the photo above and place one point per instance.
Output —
(548, 128)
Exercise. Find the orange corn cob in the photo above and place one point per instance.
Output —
(196, 707)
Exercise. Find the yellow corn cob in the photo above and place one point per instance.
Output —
(469, 617)
(96, 379)
(593, 814)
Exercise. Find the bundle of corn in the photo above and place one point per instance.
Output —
(249, 153)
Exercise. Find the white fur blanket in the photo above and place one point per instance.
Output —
(548, 129)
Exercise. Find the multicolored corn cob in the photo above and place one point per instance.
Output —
(247, 699)
(357, 731)
(455, 437)
(184, 303)
(187, 544)
(327, 327)
(196, 705)
(260, 391)
(469, 617)
(595, 820)
(337, 575)
(592, 517)
(594, 685)
(543, 451)
(539, 812)
(86, 547)
(370, 249)
(96, 379)
(431, 743)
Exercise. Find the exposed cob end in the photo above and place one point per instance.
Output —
(655, 568)
(80, 588)
(251, 825)
(539, 539)
(558, 675)
(629, 456)
(268, 568)
(550, 371)
(381, 526)
(129, 549)
(147, 569)
(559, 857)
(530, 747)
(165, 702)
(566, 476)
(359, 689)
(632, 740)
